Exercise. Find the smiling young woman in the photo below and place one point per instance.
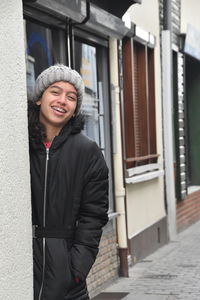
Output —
(69, 185)
(57, 106)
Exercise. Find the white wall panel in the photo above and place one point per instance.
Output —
(15, 212)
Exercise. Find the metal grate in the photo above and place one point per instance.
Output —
(187, 266)
(110, 296)
(160, 276)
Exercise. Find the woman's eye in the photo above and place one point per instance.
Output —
(54, 92)
(71, 98)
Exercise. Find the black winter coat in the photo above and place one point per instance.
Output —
(69, 208)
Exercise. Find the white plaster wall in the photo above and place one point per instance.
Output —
(15, 212)
(190, 14)
(145, 201)
(145, 205)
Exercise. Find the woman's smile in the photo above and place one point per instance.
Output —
(59, 110)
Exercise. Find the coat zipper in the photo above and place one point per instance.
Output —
(44, 223)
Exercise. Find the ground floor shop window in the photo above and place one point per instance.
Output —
(192, 88)
(47, 45)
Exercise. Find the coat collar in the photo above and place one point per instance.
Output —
(74, 126)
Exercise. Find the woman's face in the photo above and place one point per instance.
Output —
(57, 105)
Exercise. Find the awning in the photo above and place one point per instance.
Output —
(56, 13)
(117, 8)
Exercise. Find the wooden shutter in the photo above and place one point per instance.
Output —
(151, 105)
(139, 103)
(128, 75)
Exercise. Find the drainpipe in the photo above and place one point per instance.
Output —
(168, 119)
(118, 164)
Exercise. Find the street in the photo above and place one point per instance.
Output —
(172, 272)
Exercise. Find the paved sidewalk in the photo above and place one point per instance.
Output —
(172, 272)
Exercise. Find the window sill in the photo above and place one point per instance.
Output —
(193, 188)
(144, 177)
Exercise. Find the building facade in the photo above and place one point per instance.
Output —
(188, 210)
(93, 40)
(185, 62)
(143, 140)
(141, 106)
(79, 34)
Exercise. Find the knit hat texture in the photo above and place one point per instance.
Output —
(57, 73)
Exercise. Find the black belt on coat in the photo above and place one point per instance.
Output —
(43, 232)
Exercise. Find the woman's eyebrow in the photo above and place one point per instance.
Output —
(58, 87)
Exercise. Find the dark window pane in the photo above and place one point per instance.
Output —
(44, 47)
(39, 46)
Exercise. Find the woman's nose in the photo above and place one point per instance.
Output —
(62, 99)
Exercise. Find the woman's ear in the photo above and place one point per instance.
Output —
(38, 102)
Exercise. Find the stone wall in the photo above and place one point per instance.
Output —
(188, 210)
(106, 266)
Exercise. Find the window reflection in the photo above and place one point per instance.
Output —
(86, 64)
(38, 51)
(39, 46)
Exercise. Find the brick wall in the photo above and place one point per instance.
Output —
(106, 266)
(188, 210)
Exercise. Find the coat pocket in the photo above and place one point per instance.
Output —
(58, 274)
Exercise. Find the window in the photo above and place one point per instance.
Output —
(86, 64)
(47, 45)
(192, 106)
(44, 47)
(91, 60)
(139, 104)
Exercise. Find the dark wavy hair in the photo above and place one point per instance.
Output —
(36, 129)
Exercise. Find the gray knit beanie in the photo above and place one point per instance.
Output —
(57, 73)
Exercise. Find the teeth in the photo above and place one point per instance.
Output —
(59, 109)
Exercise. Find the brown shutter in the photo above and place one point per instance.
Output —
(139, 104)
(151, 105)
(128, 99)
(140, 101)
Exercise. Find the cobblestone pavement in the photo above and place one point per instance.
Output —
(172, 272)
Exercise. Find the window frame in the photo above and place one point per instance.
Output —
(140, 49)
(102, 46)
(65, 54)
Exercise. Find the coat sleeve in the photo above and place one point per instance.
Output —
(93, 214)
